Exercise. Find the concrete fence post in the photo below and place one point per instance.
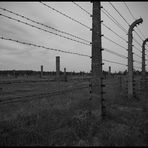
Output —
(130, 57)
(57, 68)
(143, 65)
(41, 74)
(109, 72)
(97, 74)
(65, 75)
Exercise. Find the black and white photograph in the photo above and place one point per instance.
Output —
(74, 73)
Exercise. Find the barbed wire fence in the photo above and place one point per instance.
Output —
(60, 33)
(96, 84)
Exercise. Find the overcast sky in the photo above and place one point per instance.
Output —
(23, 57)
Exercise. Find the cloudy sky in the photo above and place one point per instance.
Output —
(23, 57)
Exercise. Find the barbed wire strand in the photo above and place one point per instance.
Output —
(119, 13)
(114, 42)
(82, 8)
(43, 29)
(137, 49)
(138, 35)
(114, 20)
(40, 46)
(114, 32)
(114, 62)
(133, 19)
(137, 61)
(137, 55)
(115, 53)
(39, 23)
(53, 49)
(65, 15)
(137, 26)
(124, 20)
(137, 42)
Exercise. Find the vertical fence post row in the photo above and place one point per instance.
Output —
(58, 73)
(109, 72)
(130, 57)
(96, 59)
(41, 74)
(57, 68)
(65, 75)
(143, 64)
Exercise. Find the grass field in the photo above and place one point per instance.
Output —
(63, 120)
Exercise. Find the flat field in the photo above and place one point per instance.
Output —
(42, 112)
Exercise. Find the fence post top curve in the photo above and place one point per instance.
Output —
(144, 42)
(135, 23)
